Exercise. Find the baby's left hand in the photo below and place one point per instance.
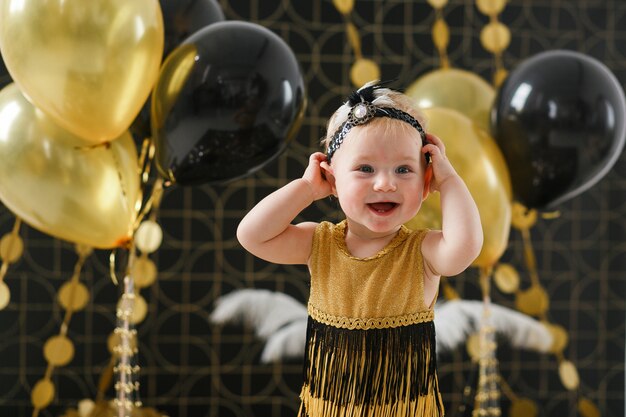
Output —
(441, 166)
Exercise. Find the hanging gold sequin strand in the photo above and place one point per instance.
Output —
(495, 37)
(59, 350)
(440, 32)
(535, 301)
(487, 398)
(11, 249)
(362, 70)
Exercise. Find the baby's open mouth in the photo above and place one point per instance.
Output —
(382, 207)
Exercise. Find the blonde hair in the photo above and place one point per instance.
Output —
(384, 97)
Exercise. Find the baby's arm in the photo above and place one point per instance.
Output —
(450, 251)
(266, 231)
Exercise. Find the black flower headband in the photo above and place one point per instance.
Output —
(362, 111)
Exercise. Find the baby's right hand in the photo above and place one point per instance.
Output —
(314, 175)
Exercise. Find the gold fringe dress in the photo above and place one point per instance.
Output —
(370, 337)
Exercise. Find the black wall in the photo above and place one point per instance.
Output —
(191, 368)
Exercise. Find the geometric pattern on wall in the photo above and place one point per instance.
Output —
(191, 368)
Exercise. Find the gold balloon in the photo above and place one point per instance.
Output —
(176, 70)
(478, 160)
(456, 89)
(49, 179)
(90, 65)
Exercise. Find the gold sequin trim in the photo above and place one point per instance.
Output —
(353, 323)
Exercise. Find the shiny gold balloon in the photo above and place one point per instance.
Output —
(456, 89)
(90, 65)
(478, 160)
(57, 185)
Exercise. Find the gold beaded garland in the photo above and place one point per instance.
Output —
(362, 69)
(495, 36)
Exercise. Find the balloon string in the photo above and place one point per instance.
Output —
(127, 384)
(152, 204)
(148, 150)
(116, 161)
(112, 268)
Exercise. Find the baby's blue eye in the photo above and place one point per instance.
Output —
(365, 168)
(403, 170)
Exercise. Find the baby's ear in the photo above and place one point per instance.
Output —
(329, 175)
(428, 177)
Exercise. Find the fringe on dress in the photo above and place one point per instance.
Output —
(388, 372)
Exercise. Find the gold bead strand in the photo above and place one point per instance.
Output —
(487, 399)
(127, 384)
(495, 37)
(362, 69)
(11, 249)
(520, 406)
(440, 32)
(132, 308)
(148, 239)
(535, 301)
(59, 350)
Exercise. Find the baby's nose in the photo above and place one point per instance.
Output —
(385, 182)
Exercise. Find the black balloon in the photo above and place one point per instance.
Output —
(559, 121)
(181, 19)
(5, 77)
(227, 101)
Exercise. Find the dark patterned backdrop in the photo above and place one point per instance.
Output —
(191, 368)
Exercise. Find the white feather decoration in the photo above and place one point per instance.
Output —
(457, 319)
(280, 321)
(262, 310)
